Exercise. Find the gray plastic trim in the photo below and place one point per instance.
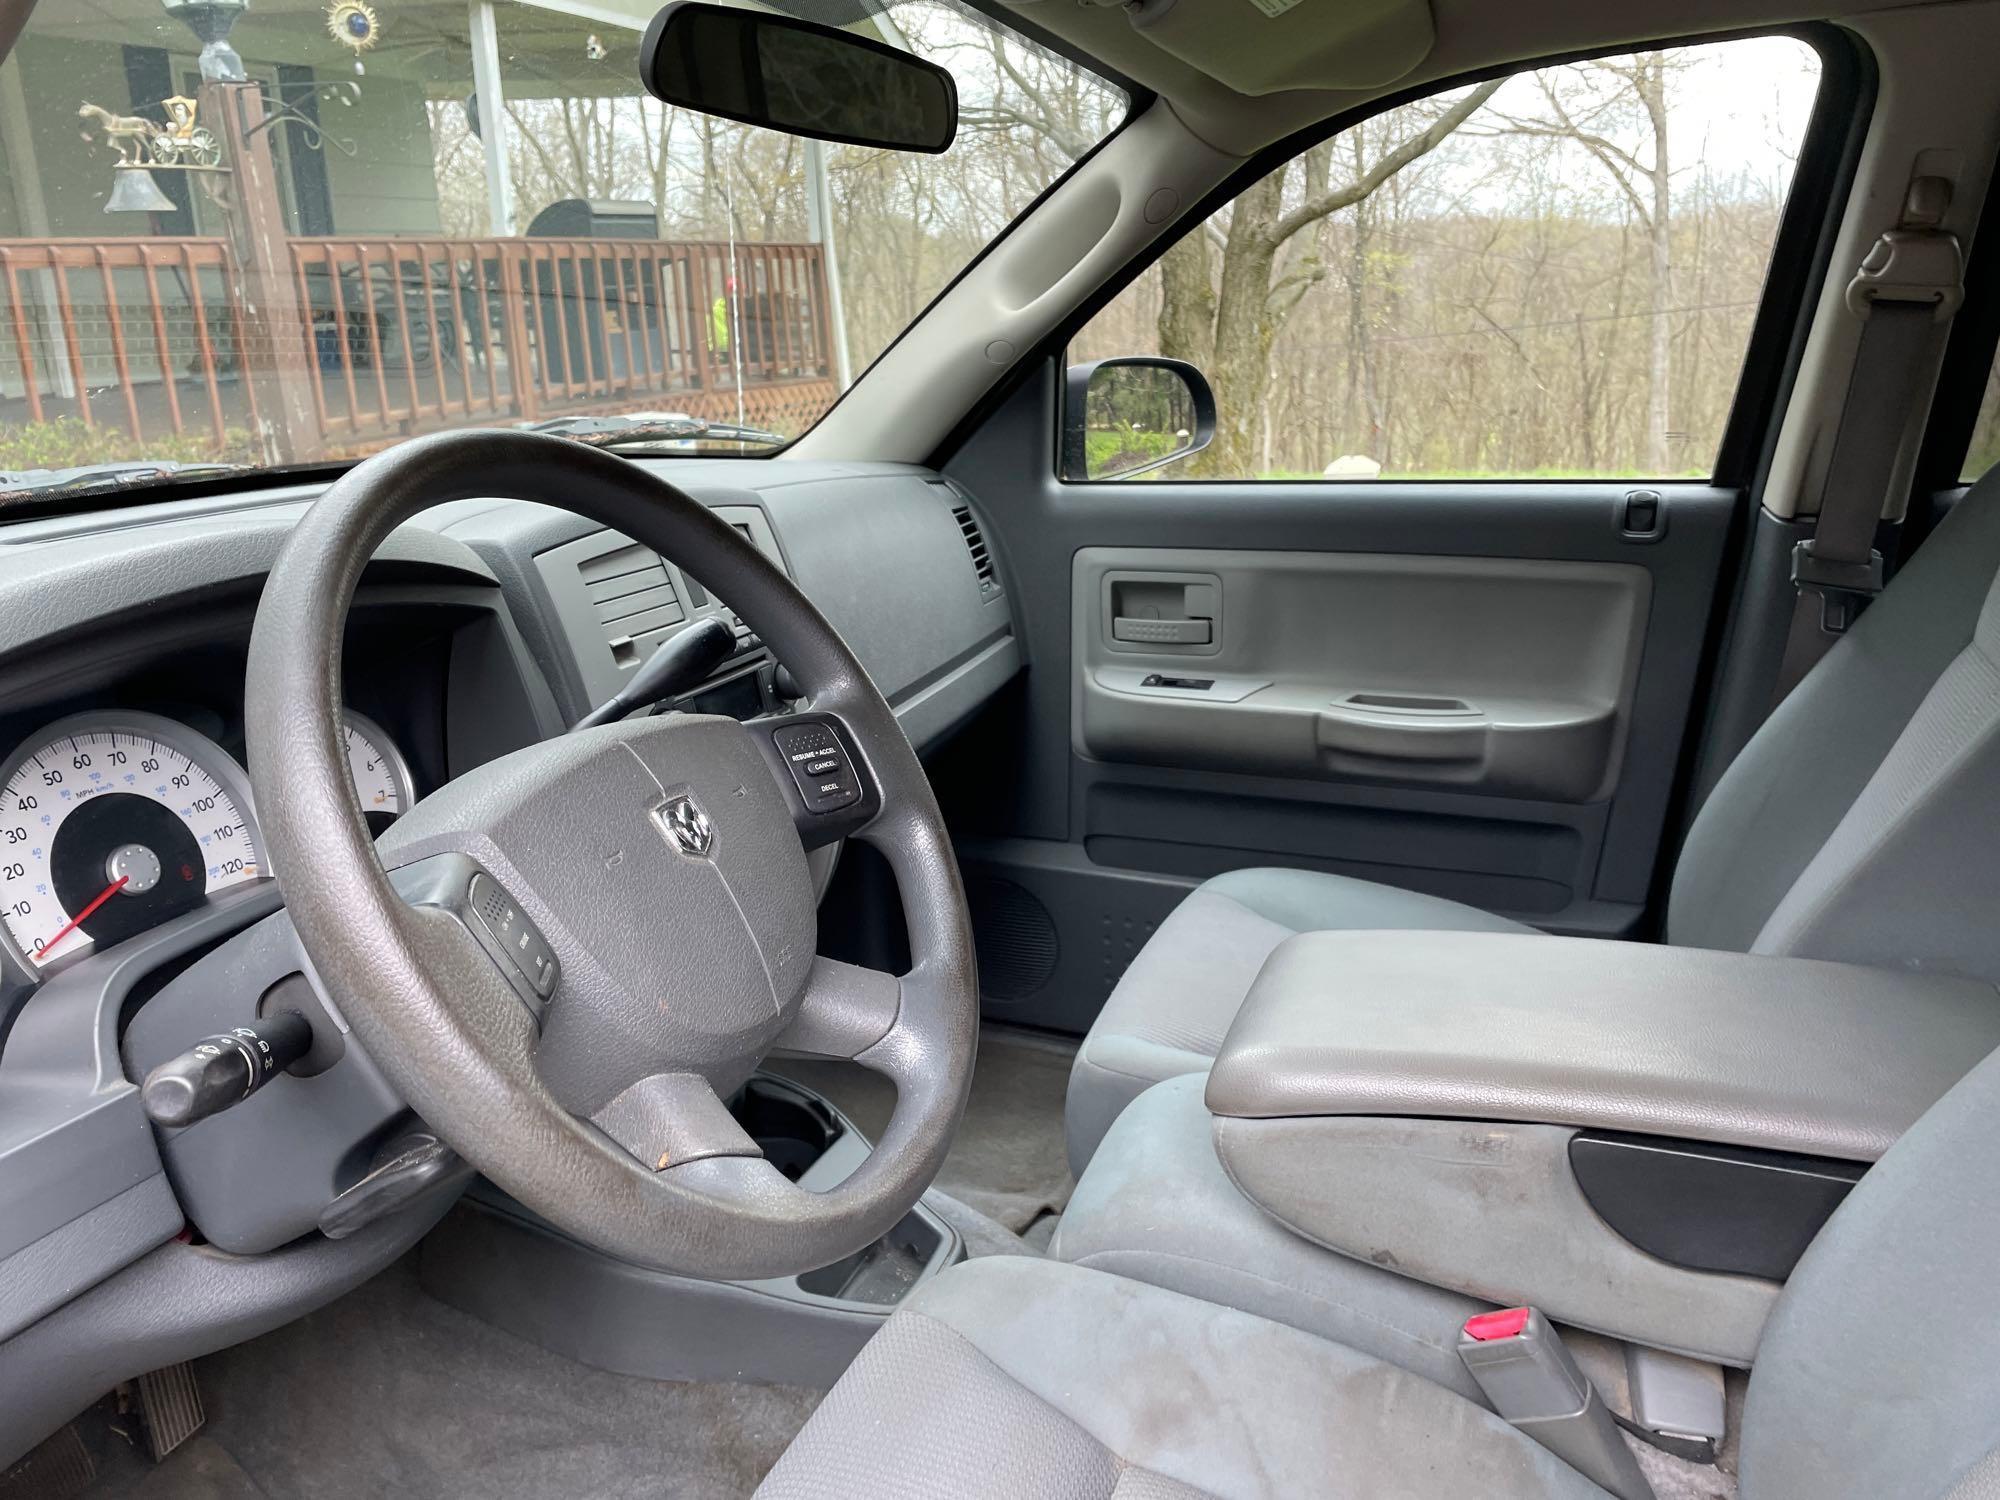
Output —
(1532, 665)
(180, 1302)
(51, 1270)
(875, 547)
(72, 1133)
(75, 580)
(494, 1259)
(301, 1141)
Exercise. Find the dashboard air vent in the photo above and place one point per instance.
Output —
(632, 593)
(982, 560)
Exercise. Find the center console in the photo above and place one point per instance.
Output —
(494, 1259)
(1638, 1140)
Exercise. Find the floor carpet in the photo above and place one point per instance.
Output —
(1009, 1160)
(389, 1392)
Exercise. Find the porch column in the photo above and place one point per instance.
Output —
(272, 329)
(819, 229)
(51, 375)
(492, 118)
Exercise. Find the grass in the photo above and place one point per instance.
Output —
(66, 443)
(1519, 476)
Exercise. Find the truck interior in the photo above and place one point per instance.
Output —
(999, 748)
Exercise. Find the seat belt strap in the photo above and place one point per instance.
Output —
(1911, 281)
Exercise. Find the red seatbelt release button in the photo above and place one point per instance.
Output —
(1507, 1323)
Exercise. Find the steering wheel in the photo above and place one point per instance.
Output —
(566, 959)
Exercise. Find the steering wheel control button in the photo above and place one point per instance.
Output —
(455, 885)
(819, 766)
(512, 936)
(134, 867)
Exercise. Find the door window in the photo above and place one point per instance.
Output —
(1548, 276)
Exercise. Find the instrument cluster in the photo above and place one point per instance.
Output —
(114, 822)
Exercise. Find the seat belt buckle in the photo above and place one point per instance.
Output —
(1531, 1381)
(1843, 587)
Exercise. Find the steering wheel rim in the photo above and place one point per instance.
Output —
(522, 1098)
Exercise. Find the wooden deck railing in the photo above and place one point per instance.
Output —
(400, 335)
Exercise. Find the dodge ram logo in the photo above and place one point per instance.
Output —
(686, 826)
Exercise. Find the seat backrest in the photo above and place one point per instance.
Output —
(1879, 1371)
(1859, 822)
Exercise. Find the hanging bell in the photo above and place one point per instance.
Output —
(135, 191)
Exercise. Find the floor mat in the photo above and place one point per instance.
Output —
(389, 1392)
(1009, 1160)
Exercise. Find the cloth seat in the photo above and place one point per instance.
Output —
(1015, 1377)
(1168, 1014)
(1010, 1378)
(1861, 823)
(1156, 1206)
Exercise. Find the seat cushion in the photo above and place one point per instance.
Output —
(1171, 1009)
(1157, 1206)
(1009, 1377)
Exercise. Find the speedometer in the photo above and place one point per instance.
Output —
(111, 823)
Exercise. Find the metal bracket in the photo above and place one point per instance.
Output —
(1916, 261)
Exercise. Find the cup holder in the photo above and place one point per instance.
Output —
(792, 1127)
(880, 1275)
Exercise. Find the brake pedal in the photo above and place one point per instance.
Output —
(170, 1407)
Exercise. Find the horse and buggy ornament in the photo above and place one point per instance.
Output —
(180, 140)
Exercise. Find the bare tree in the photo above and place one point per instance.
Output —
(1584, 105)
(1253, 301)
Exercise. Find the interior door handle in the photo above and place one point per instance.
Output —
(1163, 632)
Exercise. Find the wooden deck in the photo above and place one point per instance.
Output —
(394, 336)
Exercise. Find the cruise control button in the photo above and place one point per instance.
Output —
(820, 765)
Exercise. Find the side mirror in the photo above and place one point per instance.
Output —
(1128, 416)
(797, 76)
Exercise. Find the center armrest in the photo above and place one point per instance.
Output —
(1787, 1054)
(1639, 1140)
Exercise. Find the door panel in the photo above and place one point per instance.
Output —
(1495, 675)
(1551, 655)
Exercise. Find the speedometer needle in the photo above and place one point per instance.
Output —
(77, 921)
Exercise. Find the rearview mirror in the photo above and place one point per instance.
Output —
(798, 77)
(1131, 415)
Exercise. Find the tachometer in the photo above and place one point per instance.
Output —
(381, 775)
(111, 823)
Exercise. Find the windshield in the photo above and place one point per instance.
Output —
(280, 232)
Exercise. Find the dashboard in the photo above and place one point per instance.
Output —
(138, 909)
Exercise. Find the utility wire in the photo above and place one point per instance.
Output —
(1570, 322)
